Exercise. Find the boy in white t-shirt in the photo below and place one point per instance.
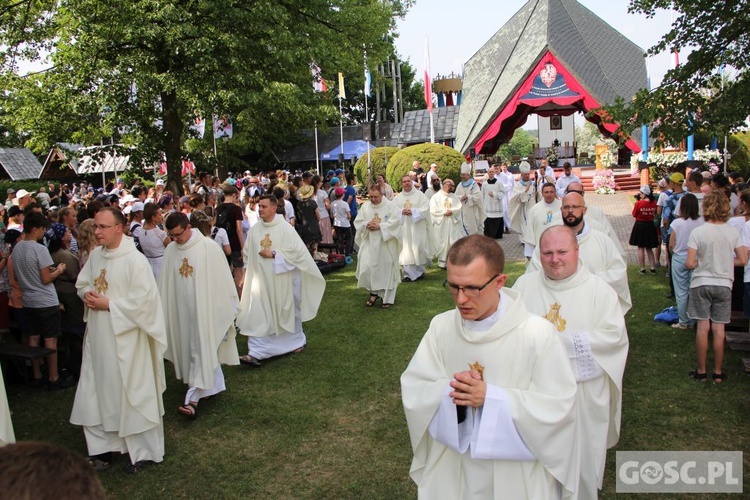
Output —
(342, 226)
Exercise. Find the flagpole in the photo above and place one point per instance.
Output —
(213, 134)
(428, 86)
(341, 125)
(367, 114)
(317, 155)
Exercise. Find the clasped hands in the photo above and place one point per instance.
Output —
(373, 225)
(266, 253)
(96, 301)
(468, 389)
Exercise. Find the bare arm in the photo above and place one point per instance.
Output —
(692, 258)
(740, 256)
(49, 274)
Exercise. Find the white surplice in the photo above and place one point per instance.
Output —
(521, 200)
(519, 444)
(416, 242)
(508, 182)
(119, 395)
(540, 217)
(278, 294)
(586, 313)
(378, 257)
(6, 426)
(472, 211)
(446, 229)
(200, 303)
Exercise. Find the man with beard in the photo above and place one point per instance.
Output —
(596, 249)
(493, 197)
(522, 199)
(416, 250)
(596, 217)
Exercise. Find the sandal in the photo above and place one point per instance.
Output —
(299, 349)
(189, 410)
(138, 466)
(249, 360)
(99, 465)
(385, 306)
(719, 377)
(371, 301)
(700, 377)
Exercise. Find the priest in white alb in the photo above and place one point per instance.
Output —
(596, 217)
(489, 394)
(540, 218)
(585, 312)
(119, 397)
(522, 199)
(445, 212)
(416, 242)
(493, 197)
(596, 250)
(470, 194)
(378, 237)
(509, 182)
(282, 287)
(200, 303)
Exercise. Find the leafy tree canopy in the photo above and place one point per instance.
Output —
(379, 158)
(691, 98)
(448, 160)
(521, 144)
(140, 71)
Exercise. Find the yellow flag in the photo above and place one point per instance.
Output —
(342, 94)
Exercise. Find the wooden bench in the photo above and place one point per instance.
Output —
(19, 355)
(738, 341)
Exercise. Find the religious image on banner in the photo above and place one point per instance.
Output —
(319, 85)
(188, 167)
(222, 127)
(198, 126)
(549, 83)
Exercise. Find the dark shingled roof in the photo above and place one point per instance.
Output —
(19, 164)
(415, 128)
(601, 59)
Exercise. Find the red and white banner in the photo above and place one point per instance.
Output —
(188, 167)
(199, 126)
(222, 127)
(319, 85)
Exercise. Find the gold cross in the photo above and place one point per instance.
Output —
(100, 283)
(407, 204)
(186, 269)
(448, 203)
(266, 242)
(554, 317)
(376, 218)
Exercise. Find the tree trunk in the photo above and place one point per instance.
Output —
(172, 126)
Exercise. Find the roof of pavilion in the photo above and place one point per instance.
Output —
(600, 59)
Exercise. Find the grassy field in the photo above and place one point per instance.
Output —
(328, 423)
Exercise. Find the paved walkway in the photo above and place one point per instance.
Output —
(618, 208)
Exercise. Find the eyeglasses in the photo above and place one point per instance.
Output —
(469, 291)
(99, 227)
(570, 208)
(174, 236)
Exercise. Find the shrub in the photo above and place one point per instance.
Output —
(448, 159)
(379, 158)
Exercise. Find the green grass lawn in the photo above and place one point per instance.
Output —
(328, 423)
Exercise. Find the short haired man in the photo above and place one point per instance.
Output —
(35, 271)
(596, 248)
(200, 304)
(282, 287)
(445, 210)
(489, 394)
(539, 218)
(595, 216)
(565, 179)
(493, 200)
(379, 240)
(119, 397)
(417, 248)
(586, 314)
(69, 217)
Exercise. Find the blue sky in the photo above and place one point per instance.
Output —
(457, 29)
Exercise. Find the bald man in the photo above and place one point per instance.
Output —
(585, 312)
(596, 217)
(597, 250)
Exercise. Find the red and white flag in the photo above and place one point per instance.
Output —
(427, 81)
(222, 127)
(188, 167)
(319, 85)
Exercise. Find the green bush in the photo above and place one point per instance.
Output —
(379, 158)
(448, 160)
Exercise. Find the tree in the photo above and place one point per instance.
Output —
(140, 71)
(448, 160)
(693, 97)
(522, 144)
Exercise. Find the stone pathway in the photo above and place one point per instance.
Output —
(618, 208)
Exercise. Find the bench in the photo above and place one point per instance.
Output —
(19, 355)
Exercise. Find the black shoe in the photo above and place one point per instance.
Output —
(61, 384)
(669, 295)
(138, 466)
(407, 279)
(250, 361)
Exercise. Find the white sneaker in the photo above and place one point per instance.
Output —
(680, 326)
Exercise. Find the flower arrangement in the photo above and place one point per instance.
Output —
(604, 182)
(671, 159)
(552, 155)
(608, 159)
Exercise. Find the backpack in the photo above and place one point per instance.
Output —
(135, 238)
(222, 221)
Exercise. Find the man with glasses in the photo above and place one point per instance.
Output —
(586, 314)
(489, 394)
(445, 210)
(119, 397)
(200, 304)
(596, 248)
